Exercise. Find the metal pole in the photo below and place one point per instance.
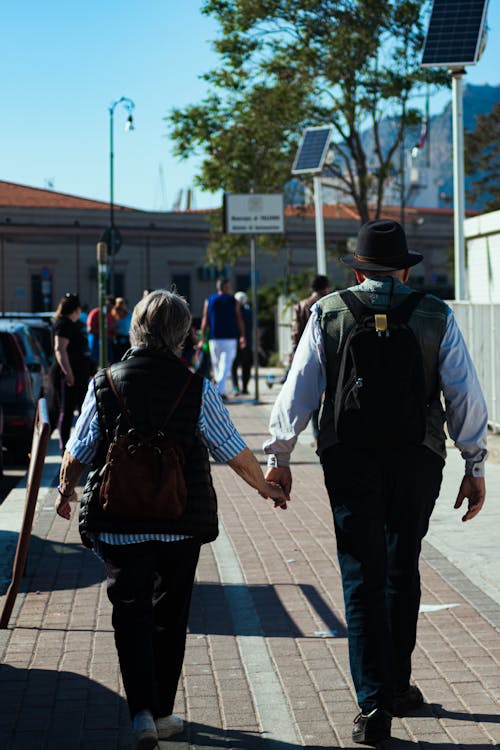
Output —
(255, 313)
(320, 227)
(458, 182)
(102, 272)
(111, 201)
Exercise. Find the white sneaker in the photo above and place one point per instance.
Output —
(146, 734)
(169, 726)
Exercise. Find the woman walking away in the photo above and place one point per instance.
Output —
(71, 368)
(150, 538)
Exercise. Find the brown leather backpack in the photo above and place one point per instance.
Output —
(143, 476)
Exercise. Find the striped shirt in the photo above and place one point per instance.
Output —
(215, 428)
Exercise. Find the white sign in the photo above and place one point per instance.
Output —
(254, 213)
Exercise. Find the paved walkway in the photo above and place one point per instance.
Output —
(266, 665)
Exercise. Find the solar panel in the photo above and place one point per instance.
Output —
(455, 33)
(312, 151)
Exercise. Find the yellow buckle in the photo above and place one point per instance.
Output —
(381, 323)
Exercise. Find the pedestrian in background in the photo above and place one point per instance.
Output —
(320, 286)
(382, 489)
(151, 562)
(70, 371)
(221, 313)
(122, 318)
(244, 355)
(93, 331)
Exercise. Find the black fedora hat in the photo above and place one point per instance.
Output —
(381, 247)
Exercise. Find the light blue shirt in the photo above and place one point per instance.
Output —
(214, 427)
(466, 412)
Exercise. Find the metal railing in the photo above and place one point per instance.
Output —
(480, 326)
(41, 434)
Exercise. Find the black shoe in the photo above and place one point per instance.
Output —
(372, 728)
(407, 701)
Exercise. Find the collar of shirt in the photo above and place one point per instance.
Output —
(382, 289)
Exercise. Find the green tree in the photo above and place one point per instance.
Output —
(289, 64)
(482, 158)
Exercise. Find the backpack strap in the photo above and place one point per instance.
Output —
(126, 413)
(402, 313)
(399, 314)
(356, 307)
(178, 400)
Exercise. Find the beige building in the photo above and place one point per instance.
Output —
(48, 247)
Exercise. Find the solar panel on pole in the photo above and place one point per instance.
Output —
(309, 160)
(455, 33)
(312, 150)
(455, 38)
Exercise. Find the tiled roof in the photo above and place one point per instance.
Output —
(12, 194)
(349, 211)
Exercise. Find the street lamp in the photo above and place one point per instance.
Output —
(114, 236)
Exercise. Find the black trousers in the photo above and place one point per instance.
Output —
(149, 586)
(243, 359)
(381, 509)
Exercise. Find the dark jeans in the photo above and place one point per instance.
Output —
(244, 359)
(381, 510)
(70, 399)
(149, 586)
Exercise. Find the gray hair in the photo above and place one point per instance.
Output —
(161, 319)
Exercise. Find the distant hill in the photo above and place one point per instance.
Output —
(477, 100)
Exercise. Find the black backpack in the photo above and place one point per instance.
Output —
(380, 401)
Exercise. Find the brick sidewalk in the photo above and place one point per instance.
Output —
(266, 664)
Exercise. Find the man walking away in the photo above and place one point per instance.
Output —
(320, 286)
(383, 355)
(222, 315)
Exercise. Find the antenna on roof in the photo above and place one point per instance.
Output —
(49, 183)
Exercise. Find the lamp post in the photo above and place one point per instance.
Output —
(129, 105)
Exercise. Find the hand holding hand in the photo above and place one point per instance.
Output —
(281, 475)
(474, 489)
(276, 493)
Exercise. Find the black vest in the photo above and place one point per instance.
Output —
(149, 382)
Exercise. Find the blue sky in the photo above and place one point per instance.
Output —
(64, 62)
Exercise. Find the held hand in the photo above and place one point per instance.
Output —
(243, 342)
(276, 493)
(63, 505)
(474, 489)
(281, 475)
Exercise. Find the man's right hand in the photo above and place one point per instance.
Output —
(474, 489)
(280, 475)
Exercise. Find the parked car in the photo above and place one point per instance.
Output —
(33, 354)
(16, 397)
(1, 441)
(41, 326)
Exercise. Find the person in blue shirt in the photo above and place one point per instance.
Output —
(222, 314)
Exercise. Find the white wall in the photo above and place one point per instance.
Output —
(482, 235)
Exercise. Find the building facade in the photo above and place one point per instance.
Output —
(48, 247)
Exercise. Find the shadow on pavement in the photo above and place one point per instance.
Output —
(204, 736)
(42, 708)
(51, 566)
(211, 611)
